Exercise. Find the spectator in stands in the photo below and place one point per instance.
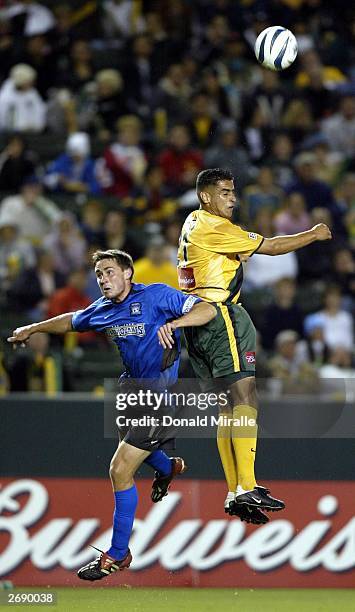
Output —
(72, 297)
(263, 193)
(345, 194)
(21, 107)
(293, 218)
(298, 120)
(66, 244)
(179, 161)
(16, 254)
(173, 93)
(316, 193)
(312, 67)
(283, 313)
(100, 103)
(344, 273)
(17, 164)
(155, 266)
(345, 197)
(79, 70)
(64, 32)
(339, 129)
(34, 214)
(172, 231)
(211, 86)
(256, 135)
(74, 171)
(110, 102)
(280, 159)
(260, 270)
(32, 289)
(141, 74)
(92, 221)
(328, 163)
(117, 234)
(314, 85)
(290, 364)
(165, 47)
(215, 36)
(269, 98)
(92, 289)
(124, 162)
(38, 54)
(202, 123)
(315, 260)
(152, 197)
(229, 154)
(34, 369)
(122, 19)
(7, 47)
(315, 348)
(29, 18)
(338, 323)
(340, 365)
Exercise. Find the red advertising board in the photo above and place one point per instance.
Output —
(185, 540)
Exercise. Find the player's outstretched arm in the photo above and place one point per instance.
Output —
(279, 245)
(56, 325)
(200, 314)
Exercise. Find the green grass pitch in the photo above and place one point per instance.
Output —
(196, 600)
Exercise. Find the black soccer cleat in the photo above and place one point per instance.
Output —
(259, 498)
(103, 566)
(161, 484)
(246, 513)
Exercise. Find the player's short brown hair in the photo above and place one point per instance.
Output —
(123, 259)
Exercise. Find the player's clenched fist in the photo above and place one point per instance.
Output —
(20, 335)
(165, 335)
(322, 231)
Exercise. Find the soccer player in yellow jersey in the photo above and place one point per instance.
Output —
(211, 251)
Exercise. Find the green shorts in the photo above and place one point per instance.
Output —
(225, 346)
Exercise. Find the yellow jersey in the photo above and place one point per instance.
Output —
(208, 257)
(146, 272)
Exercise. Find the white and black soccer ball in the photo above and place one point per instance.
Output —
(276, 48)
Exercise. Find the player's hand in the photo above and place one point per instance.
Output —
(165, 335)
(20, 336)
(322, 232)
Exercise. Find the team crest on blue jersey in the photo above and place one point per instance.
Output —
(135, 308)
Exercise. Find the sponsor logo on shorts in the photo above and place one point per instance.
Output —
(250, 357)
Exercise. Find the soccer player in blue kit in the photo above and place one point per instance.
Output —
(141, 320)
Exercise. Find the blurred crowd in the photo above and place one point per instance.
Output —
(136, 97)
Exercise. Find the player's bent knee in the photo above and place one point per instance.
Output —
(244, 391)
(120, 470)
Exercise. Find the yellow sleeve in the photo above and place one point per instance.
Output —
(224, 237)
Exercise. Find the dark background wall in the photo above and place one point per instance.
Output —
(64, 437)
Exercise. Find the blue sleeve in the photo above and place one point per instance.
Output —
(58, 166)
(175, 303)
(81, 318)
(90, 178)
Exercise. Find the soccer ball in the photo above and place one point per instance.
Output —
(276, 48)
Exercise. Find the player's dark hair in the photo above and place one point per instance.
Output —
(212, 176)
(123, 259)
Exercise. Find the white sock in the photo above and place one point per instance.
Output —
(240, 490)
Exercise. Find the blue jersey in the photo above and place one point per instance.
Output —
(133, 325)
